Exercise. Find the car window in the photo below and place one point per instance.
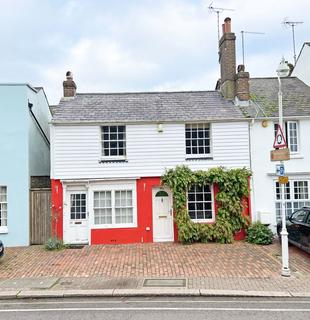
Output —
(299, 216)
(308, 219)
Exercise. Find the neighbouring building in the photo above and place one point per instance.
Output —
(257, 98)
(302, 66)
(264, 112)
(24, 157)
(109, 151)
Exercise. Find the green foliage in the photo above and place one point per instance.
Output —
(233, 187)
(54, 244)
(259, 234)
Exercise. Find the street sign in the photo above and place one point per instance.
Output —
(283, 180)
(280, 154)
(280, 170)
(279, 141)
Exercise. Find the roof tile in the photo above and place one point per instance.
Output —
(139, 107)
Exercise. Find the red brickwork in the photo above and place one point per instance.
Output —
(238, 260)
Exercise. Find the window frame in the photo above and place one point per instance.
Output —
(102, 141)
(287, 134)
(212, 219)
(113, 189)
(189, 156)
(75, 193)
(4, 228)
(293, 199)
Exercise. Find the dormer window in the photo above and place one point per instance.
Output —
(113, 142)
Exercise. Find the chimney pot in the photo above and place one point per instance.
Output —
(227, 25)
(69, 75)
(69, 85)
(240, 67)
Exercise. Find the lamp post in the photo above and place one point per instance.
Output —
(283, 71)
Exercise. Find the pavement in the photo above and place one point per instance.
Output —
(171, 269)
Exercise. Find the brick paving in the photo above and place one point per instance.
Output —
(299, 260)
(233, 263)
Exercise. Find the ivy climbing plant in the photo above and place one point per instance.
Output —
(233, 188)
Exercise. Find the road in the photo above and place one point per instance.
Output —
(162, 308)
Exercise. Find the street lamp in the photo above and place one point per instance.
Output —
(283, 71)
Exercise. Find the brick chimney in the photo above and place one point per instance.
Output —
(242, 84)
(69, 85)
(227, 59)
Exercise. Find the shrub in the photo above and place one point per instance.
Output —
(233, 189)
(54, 244)
(259, 234)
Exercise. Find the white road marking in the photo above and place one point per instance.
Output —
(155, 301)
(154, 309)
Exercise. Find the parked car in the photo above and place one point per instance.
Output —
(298, 228)
(1, 249)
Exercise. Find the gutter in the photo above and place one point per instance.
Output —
(91, 122)
(20, 84)
(30, 105)
(290, 117)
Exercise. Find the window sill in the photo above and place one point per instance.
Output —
(112, 161)
(121, 226)
(199, 158)
(4, 230)
(203, 221)
(296, 156)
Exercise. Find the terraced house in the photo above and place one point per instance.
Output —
(109, 152)
(24, 157)
(296, 114)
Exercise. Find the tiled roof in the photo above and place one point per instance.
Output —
(264, 96)
(149, 107)
(53, 108)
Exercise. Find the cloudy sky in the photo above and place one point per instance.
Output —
(139, 45)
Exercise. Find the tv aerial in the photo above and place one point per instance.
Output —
(242, 39)
(292, 24)
(218, 11)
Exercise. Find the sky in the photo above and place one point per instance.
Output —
(140, 45)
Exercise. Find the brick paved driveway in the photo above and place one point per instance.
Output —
(238, 260)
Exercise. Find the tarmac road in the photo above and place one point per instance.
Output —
(153, 308)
